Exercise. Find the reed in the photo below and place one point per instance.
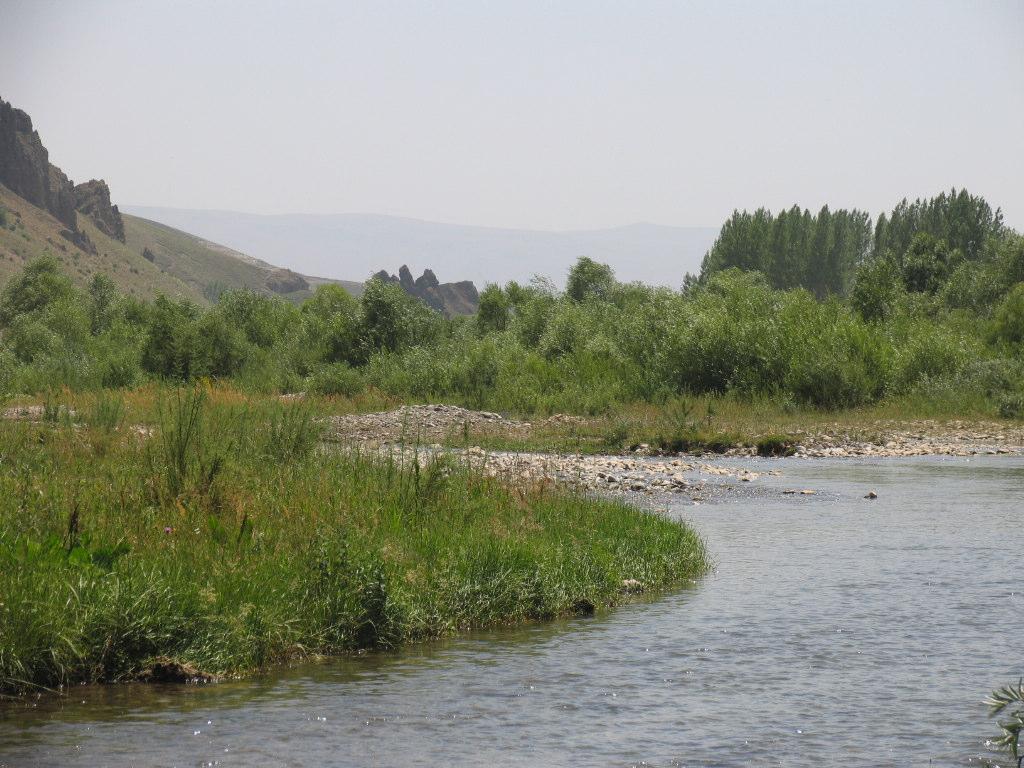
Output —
(223, 542)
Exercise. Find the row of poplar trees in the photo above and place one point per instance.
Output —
(821, 252)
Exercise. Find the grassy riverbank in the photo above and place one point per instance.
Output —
(223, 540)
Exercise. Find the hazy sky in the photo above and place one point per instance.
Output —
(552, 115)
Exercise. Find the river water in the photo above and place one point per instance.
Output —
(834, 631)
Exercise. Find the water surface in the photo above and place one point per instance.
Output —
(834, 631)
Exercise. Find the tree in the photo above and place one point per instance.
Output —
(391, 320)
(171, 345)
(1008, 325)
(589, 280)
(927, 263)
(41, 283)
(494, 309)
(965, 222)
(262, 319)
(795, 248)
(876, 289)
(102, 303)
(330, 325)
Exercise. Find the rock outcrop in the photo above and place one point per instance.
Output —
(449, 299)
(25, 168)
(92, 199)
(286, 281)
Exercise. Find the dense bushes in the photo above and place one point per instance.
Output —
(919, 322)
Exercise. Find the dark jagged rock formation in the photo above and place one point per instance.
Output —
(447, 298)
(93, 200)
(25, 168)
(79, 238)
(286, 281)
(427, 280)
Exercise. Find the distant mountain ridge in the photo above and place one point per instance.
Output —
(355, 245)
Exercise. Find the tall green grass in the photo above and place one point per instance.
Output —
(226, 541)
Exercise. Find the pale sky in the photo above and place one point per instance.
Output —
(548, 115)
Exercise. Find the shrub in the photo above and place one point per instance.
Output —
(776, 445)
(840, 364)
(589, 280)
(876, 289)
(494, 310)
(927, 263)
(171, 347)
(392, 320)
(40, 284)
(1008, 323)
(336, 379)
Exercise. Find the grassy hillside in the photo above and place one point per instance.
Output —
(154, 259)
(30, 232)
(208, 267)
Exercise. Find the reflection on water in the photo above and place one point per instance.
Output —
(834, 631)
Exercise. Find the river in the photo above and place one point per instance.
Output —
(834, 631)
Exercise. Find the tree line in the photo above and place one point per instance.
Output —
(924, 240)
(942, 319)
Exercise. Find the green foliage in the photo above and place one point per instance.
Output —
(172, 339)
(965, 223)
(776, 445)
(909, 328)
(494, 310)
(794, 248)
(1010, 405)
(108, 575)
(336, 379)
(107, 412)
(1009, 701)
(1008, 324)
(877, 289)
(330, 325)
(40, 285)
(927, 263)
(391, 320)
(103, 297)
(189, 455)
(973, 286)
(263, 321)
(589, 280)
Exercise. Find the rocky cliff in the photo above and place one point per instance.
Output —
(93, 200)
(45, 213)
(286, 281)
(448, 298)
(26, 170)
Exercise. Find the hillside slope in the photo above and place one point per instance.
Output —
(43, 212)
(153, 259)
(207, 268)
(28, 232)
